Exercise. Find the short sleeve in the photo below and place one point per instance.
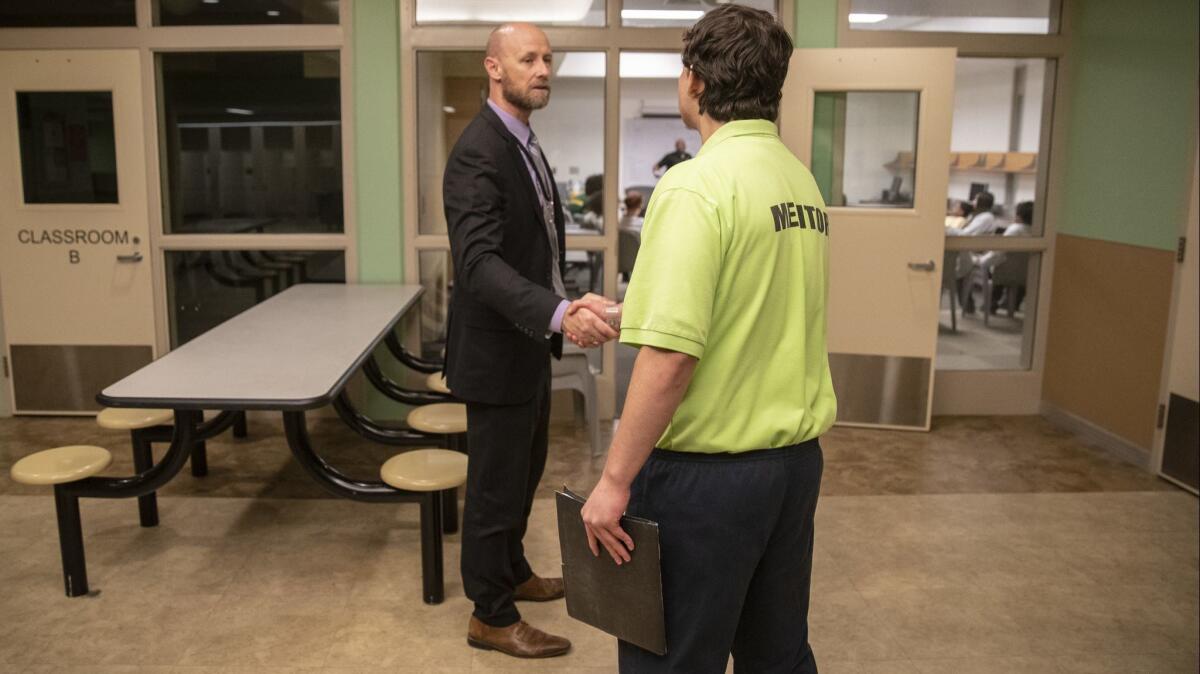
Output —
(669, 301)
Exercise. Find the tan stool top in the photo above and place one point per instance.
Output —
(61, 464)
(425, 470)
(439, 418)
(437, 382)
(132, 418)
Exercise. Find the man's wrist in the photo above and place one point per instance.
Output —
(557, 319)
(613, 479)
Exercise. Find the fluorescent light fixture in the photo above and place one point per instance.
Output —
(239, 111)
(662, 14)
(651, 65)
(867, 18)
(581, 64)
(643, 65)
(272, 12)
(492, 11)
(449, 109)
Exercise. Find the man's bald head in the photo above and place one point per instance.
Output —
(519, 64)
(506, 35)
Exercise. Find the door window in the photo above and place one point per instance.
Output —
(68, 147)
(865, 147)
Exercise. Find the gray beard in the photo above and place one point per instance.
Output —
(525, 101)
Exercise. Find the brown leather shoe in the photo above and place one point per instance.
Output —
(540, 589)
(520, 640)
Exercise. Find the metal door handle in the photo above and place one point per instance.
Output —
(135, 257)
(923, 266)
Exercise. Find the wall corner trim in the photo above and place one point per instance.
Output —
(1096, 436)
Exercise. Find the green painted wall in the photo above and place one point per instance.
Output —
(816, 23)
(1131, 130)
(379, 192)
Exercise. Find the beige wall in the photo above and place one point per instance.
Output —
(1107, 334)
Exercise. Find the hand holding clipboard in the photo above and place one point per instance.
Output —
(625, 599)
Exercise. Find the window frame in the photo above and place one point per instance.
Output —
(1004, 391)
(151, 40)
(610, 39)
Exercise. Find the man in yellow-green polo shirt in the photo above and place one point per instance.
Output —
(731, 386)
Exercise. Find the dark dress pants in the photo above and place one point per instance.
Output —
(736, 538)
(506, 456)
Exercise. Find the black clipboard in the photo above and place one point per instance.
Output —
(625, 601)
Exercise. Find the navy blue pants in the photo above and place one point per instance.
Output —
(736, 532)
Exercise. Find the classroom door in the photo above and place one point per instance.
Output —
(75, 282)
(874, 127)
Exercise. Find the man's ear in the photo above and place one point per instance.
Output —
(492, 66)
(695, 86)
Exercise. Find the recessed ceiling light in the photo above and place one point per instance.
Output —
(867, 18)
(239, 111)
(662, 14)
(212, 2)
(272, 12)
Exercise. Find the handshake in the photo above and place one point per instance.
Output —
(592, 321)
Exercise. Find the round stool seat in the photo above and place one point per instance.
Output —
(444, 418)
(425, 470)
(131, 418)
(437, 382)
(61, 465)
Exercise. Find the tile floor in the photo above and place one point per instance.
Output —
(988, 545)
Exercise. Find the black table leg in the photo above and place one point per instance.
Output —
(143, 460)
(239, 425)
(199, 459)
(431, 548)
(67, 495)
(373, 491)
(70, 542)
(450, 511)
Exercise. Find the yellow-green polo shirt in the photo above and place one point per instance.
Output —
(733, 269)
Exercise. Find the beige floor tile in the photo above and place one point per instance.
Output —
(843, 626)
(124, 629)
(951, 623)
(993, 665)
(400, 635)
(266, 638)
(1129, 664)
(860, 667)
(917, 566)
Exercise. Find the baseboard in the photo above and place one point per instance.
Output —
(1097, 436)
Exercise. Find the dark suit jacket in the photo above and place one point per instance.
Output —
(497, 350)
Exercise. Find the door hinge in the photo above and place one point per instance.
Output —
(1162, 416)
(1182, 249)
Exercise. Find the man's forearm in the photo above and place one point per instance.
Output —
(659, 380)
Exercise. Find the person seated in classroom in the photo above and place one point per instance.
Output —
(1022, 225)
(981, 222)
(631, 218)
(958, 216)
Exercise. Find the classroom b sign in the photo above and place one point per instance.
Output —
(76, 241)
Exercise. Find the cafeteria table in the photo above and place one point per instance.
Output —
(292, 353)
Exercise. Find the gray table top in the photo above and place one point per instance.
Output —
(294, 351)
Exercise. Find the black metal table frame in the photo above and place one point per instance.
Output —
(438, 508)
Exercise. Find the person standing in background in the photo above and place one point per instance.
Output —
(731, 387)
(507, 313)
(670, 159)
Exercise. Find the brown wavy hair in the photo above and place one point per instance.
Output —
(741, 54)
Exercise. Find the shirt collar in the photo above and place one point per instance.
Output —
(739, 127)
(520, 130)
